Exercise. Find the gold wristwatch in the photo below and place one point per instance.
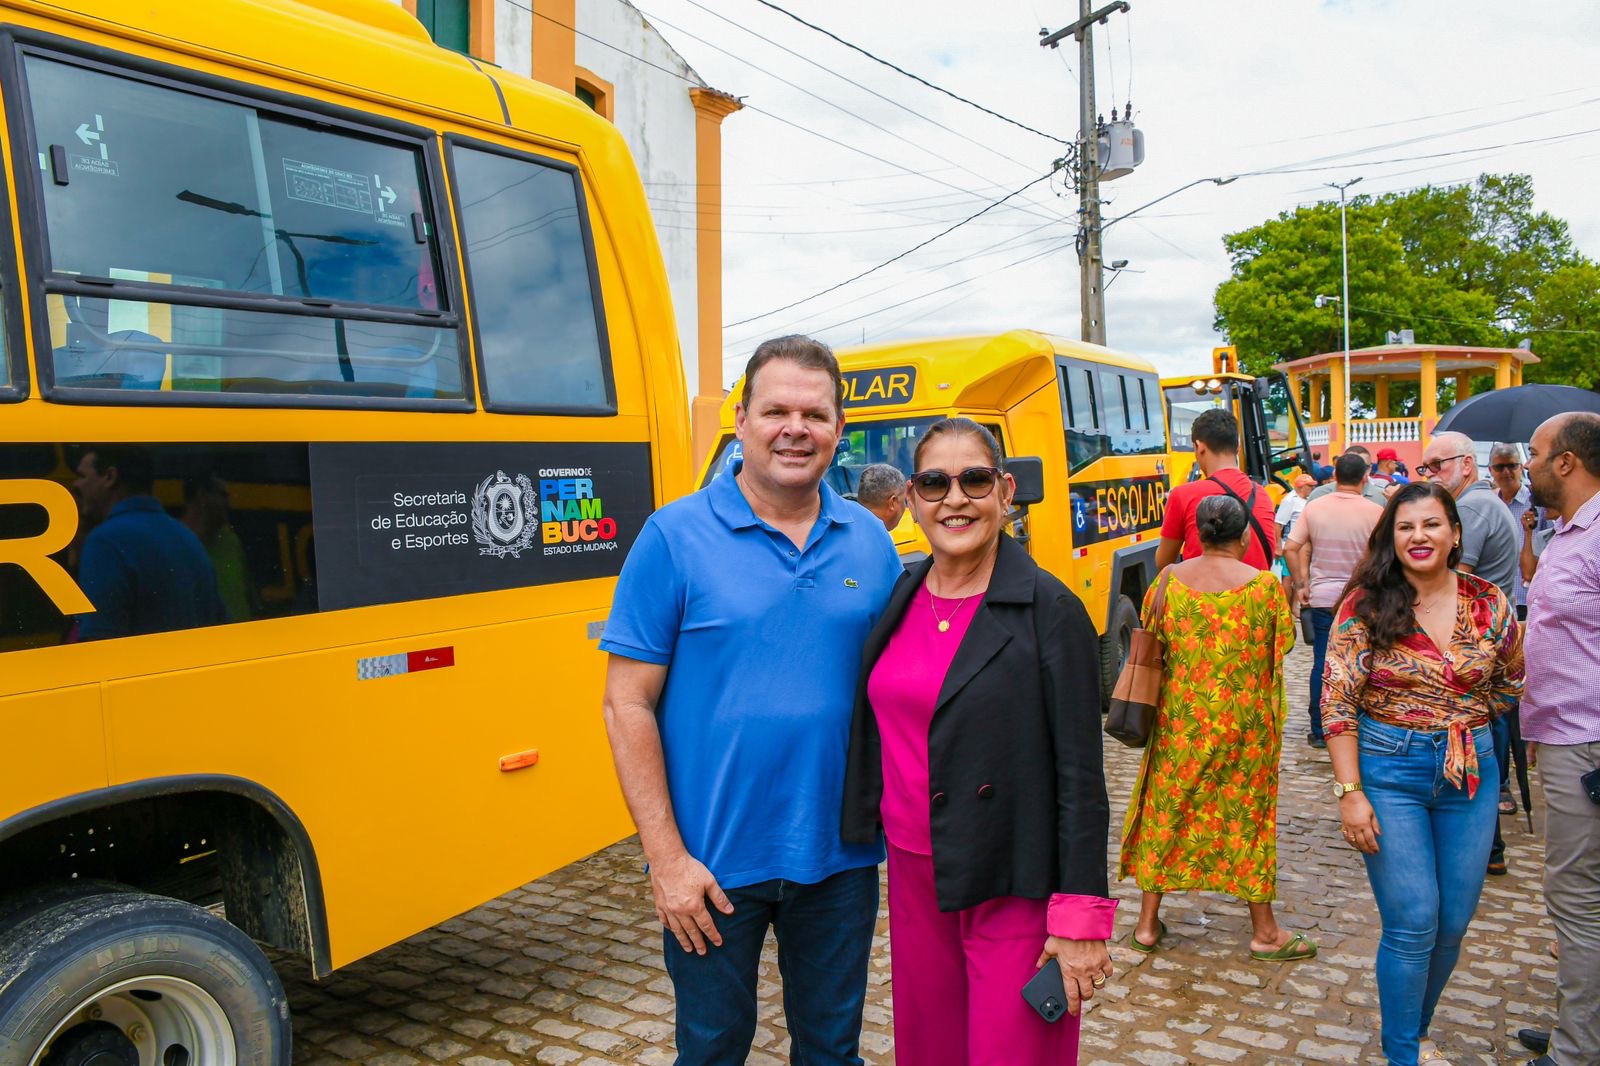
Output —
(1341, 789)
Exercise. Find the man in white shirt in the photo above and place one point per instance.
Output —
(1288, 510)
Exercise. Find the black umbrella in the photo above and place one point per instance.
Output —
(1513, 414)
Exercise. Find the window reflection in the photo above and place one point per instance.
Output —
(118, 344)
(249, 505)
(154, 186)
(538, 336)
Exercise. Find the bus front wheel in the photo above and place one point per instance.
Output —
(1114, 646)
(113, 978)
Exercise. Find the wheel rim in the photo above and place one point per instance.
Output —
(172, 1022)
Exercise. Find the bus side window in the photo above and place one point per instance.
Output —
(5, 350)
(1128, 415)
(1085, 440)
(235, 250)
(541, 335)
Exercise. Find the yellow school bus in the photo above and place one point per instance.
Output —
(377, 343)
(1272, 434)
(1079, 424)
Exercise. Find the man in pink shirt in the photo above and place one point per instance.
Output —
(1324, 546)
(1560, 714)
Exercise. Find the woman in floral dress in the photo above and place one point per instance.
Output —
(1204, 813)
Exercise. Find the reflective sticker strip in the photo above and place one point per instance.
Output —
(377, 666)
(432, 659)
(381, 666)
(597, 630)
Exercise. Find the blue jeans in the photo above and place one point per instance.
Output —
(1321, 625)
(1428, 871)
(824, 936)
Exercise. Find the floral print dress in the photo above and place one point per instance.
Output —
(1204, 813)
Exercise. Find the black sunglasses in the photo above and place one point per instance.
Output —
(1505, 468)
(1431, 468)
(976, 483)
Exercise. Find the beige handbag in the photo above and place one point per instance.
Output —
(1132, 716)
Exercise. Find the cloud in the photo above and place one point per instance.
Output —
(1218, 89)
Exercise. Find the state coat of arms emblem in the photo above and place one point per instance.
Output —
(504, 515)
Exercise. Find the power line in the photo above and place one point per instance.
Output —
(1542, 95)
(914, 77)
(864, 88)
(820, 99)
(869, 155)
(1469, 322)
(894, 259)
(927, 175)
(1065, 243)
(964, 259)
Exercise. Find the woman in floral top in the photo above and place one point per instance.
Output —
(1421, 659)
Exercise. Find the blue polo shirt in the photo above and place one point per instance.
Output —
(145, 572)
(762, 641)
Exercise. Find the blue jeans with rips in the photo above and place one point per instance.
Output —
(1428, 872)
(824, 933)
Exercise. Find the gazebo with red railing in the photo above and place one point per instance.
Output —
(1400, 385)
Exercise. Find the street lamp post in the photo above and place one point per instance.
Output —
(1344, 304)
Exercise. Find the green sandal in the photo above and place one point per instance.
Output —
(1290, 951)
(1139, 945)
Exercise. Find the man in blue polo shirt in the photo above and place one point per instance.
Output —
(735, 644)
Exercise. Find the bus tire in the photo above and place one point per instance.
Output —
(128, 977)
(1114, 646)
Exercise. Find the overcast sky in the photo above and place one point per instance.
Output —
(824, 179)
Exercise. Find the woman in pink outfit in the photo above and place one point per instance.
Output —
(975, 749)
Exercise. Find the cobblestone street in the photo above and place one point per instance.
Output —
(567, 969)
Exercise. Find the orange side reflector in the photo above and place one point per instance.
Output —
(520, 761)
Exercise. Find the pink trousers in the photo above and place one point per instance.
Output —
(958, 978)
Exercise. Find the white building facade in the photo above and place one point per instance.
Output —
(607, 54)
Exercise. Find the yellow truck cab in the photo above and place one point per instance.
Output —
(1080, 426)
(1272, 435)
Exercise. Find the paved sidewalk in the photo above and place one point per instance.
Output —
(567, 969)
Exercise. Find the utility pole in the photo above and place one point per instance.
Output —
(1344, 304)
(1091, 265)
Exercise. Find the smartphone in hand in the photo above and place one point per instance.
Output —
(1045, 993)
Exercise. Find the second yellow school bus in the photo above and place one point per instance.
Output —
(1090, 416)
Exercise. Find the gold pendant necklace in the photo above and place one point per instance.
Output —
(944, 623)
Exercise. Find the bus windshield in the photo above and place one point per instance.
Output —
(1185, 404)
(891, 441)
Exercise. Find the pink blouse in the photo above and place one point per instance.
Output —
(903, 689)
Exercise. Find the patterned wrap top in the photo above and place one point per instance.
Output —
(1417, 685)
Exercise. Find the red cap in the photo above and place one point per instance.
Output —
(1388, 453)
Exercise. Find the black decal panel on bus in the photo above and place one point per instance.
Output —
(268, 530)
(1106, 510)
(410, 521)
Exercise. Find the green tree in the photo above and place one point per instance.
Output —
(1565, 326)
(1468, 264)
(1268, 307)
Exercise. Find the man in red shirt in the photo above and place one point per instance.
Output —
(1216, 452)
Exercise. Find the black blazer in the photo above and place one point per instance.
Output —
(1017, 791)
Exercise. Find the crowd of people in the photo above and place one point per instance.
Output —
(947, 718)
